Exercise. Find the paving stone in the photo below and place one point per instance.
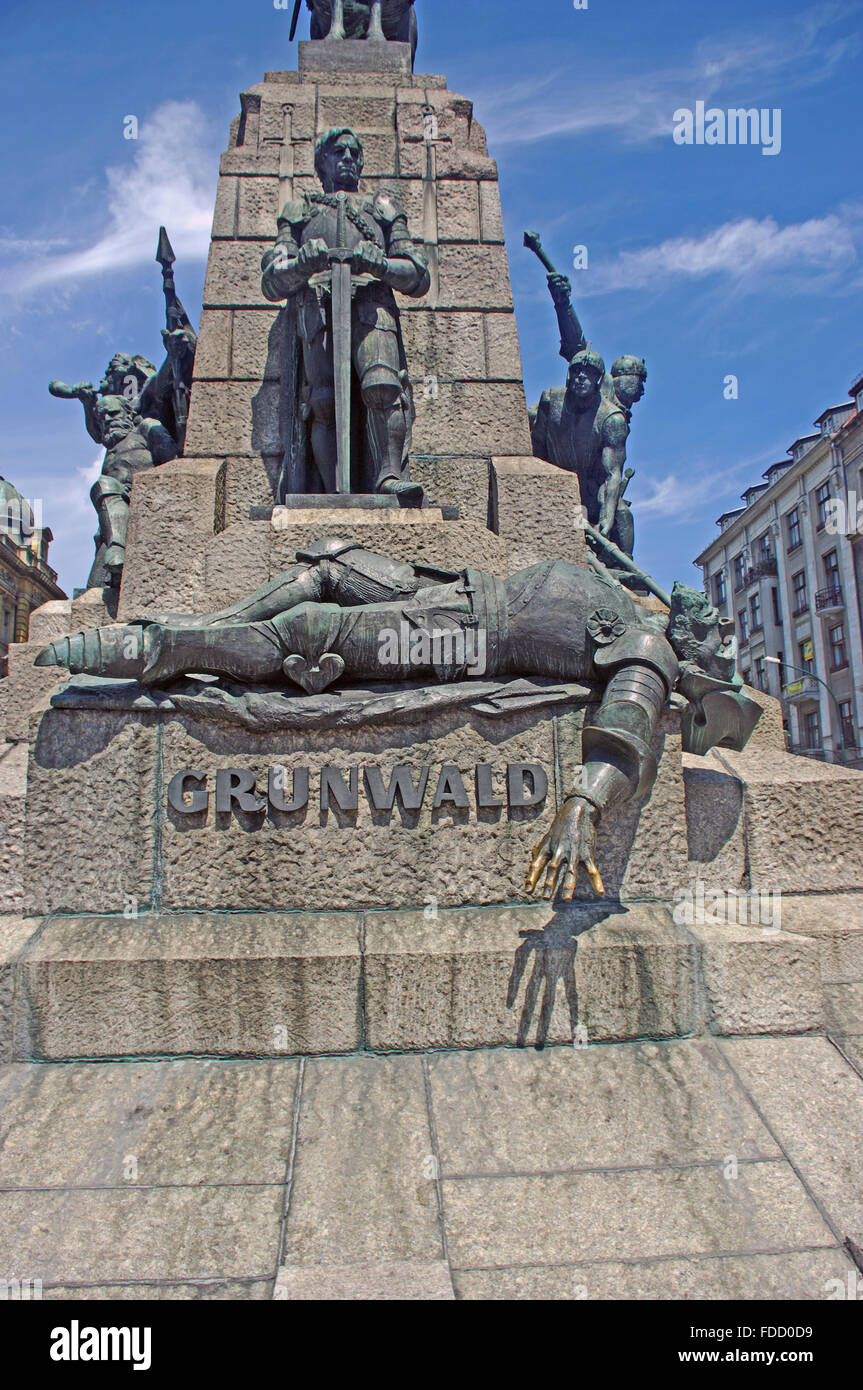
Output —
(184, 1233)
(228, 1291)
(499, 1112)
(852, 1047)
(363, 1179)
(145, 1124)
(813, 1102)
(668, 1211)
(380, 1281)
(805, 1274)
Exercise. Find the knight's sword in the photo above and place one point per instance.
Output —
(340, 290)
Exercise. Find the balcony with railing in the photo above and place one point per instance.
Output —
(829, 600)
(804, 688)
(765, 566)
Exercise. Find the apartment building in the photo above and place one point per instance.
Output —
(787, 566)
(26, 578)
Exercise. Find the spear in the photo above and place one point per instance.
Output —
(626, 562)
(175, 318)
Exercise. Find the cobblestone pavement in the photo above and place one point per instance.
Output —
(692, 1169)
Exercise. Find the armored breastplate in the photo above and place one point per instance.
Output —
(132, 453)
(355, 225)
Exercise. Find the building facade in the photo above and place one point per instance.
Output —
(26, 578)
(787, 566)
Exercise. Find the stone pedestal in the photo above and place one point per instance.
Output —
(325, 911)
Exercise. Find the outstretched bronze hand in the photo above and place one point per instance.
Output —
(568, 844)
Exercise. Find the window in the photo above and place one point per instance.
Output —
(739, 564)
(719, 587)
(831, 570)
(794, 536)
(822, 497)
(755, 610)
(798, 591)
(743, 620)
(807, 656)
(777, 611)
(838, 655)
(763, 549)
(812, 729)
(761, 673)
(849, 735)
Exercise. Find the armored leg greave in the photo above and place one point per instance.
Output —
(110, 497)
(155, 653)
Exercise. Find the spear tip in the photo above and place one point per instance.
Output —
(164, 251)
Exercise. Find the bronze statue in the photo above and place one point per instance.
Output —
(338, 257)
(601, 475)
(332, 618)
(138, 414)
(131, 444)
(579, 428)
(375, 20)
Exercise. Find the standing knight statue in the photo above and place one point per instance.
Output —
(347, 404)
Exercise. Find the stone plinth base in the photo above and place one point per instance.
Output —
(326, 57)
(275, 984)
(481, 785)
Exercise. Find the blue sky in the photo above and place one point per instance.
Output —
(705, 260)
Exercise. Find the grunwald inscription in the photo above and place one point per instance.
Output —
(525, 785)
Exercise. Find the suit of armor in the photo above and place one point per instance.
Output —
(350, 219)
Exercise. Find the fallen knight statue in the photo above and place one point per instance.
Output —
(326, 620)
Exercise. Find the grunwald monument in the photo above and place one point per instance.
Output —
(369, 732)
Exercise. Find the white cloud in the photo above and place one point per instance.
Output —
(639, 105)
(169, 179)
(745, 252)
(706, 488)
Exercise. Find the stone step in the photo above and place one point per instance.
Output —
(282, 984)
